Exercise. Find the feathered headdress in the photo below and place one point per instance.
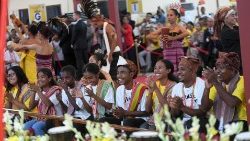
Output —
(57, 26)
(89, 8)
(177, 6)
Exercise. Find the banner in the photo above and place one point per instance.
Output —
(37, 13)
(134, 6)
(3, 25)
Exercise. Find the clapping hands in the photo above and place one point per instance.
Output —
(174, 102)
(119, 112)
(210, 76)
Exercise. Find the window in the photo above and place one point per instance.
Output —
(24, 16)
(188, 6)
(53, 11)
(103, 5)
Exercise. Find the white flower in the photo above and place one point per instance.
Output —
(18, 126)
(8, 123)
(42, 138)
(108, 131)
(68, 122)
(194, 130)
(15, 129)
(233, 128)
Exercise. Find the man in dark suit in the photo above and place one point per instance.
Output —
(211, 44)
(79, 42)
(65, 43)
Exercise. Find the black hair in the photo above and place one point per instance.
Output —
(176, 12)
(78, 13)
(64, 16)
(169, 65)
(46, 32)
(149, 14)
(128, 13)
(49, 74)
(21, 78)
(100, 57)
(191, 23)
(40, 25)
(92, 68)
(130, 71)
(69, 69)
(33, 29)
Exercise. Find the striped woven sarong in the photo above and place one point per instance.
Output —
(173, 52)
(44, 61)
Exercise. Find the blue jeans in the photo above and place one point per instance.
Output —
(36, 125)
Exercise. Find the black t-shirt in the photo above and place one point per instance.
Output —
(230, 39)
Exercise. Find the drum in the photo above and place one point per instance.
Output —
(245, 136)
(145, 136)
(61, 133)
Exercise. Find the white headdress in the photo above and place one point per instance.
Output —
(121, 61)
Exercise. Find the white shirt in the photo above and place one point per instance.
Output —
(109, 97)
(196, 90)
(58, 56)
(11, 56)
(82, 113)
(54, 101)
(124, 96)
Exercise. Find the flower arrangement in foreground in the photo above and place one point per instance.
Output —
(96, 131)
(14, 129)
(104, 132)
(180, 134)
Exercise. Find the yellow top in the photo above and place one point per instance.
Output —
(239, 92)
(21, 98)
(186, 40)
(162, 89)
(28, 64)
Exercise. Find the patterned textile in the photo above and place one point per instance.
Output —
(44, 61)
(173, 52)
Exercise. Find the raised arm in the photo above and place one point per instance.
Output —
(184, 33)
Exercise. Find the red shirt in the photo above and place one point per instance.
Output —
(128, 35)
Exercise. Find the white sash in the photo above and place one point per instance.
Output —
(117, 48)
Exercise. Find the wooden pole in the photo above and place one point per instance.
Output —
(217, 4)
(3, 25)
(244, 22)
(114, 17)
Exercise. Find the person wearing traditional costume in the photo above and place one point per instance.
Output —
(172, 36)
(130, 96)
(74, 102)
(112, 50)
(18, 95)
(227, 30)
(185, 99)
(160, 86)
(46, 100)
(100, 91)
(225, 90)
(43, 49)
(28, 57)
